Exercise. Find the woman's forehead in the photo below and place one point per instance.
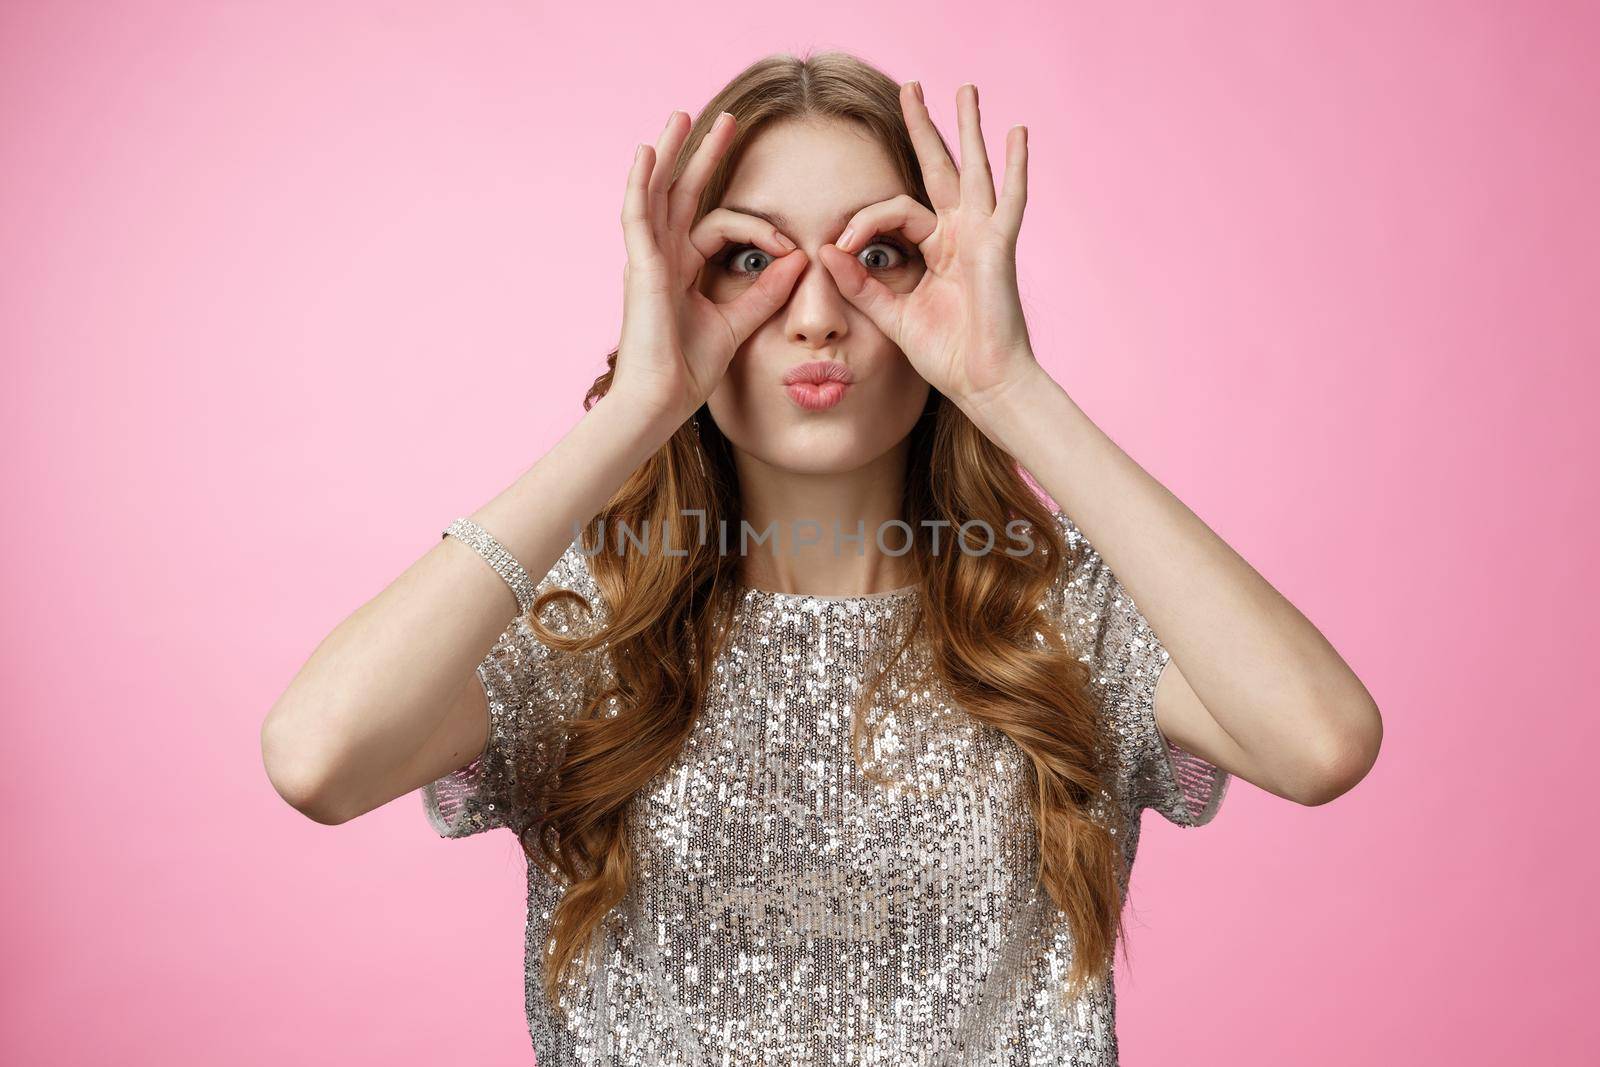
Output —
(804, 176)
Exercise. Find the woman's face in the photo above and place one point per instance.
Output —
(809, 178)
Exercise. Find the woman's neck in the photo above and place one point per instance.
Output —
(824, 534)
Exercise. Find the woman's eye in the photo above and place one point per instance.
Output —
(880, 255)
(737, 261)
(881, 260)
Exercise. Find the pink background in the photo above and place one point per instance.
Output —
(289, 286)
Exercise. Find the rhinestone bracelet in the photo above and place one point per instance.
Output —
(495, 554)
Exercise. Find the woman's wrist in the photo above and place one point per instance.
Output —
(1006, 403)
(642, 428)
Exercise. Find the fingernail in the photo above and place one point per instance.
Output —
(638, 150)
(785, 242)
(844, 238)
(916, 87)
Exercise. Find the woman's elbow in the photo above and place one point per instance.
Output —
(296, 777)
(1345, 760)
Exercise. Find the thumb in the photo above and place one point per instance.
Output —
(871, 297)
(771, 288)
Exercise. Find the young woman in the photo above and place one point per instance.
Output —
(870, 798)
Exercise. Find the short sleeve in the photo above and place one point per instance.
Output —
(530, 689)
(1125, 660)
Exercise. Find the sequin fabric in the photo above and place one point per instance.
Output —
(787, 910)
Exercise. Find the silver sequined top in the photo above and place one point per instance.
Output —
(784, 909)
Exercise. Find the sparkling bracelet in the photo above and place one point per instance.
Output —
(495, 554)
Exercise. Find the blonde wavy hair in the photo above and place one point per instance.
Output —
(979, 611)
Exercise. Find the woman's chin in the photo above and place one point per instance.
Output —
(833, 449)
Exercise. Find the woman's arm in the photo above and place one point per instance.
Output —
(386, 702)
(1252, 685)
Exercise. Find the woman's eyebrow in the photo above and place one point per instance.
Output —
(782, 221)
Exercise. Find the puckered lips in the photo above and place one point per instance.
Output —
(819, 384)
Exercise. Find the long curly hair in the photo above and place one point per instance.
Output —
(994, 655)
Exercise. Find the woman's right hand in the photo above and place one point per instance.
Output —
(677, 343)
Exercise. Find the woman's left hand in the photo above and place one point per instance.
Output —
(962, 327)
